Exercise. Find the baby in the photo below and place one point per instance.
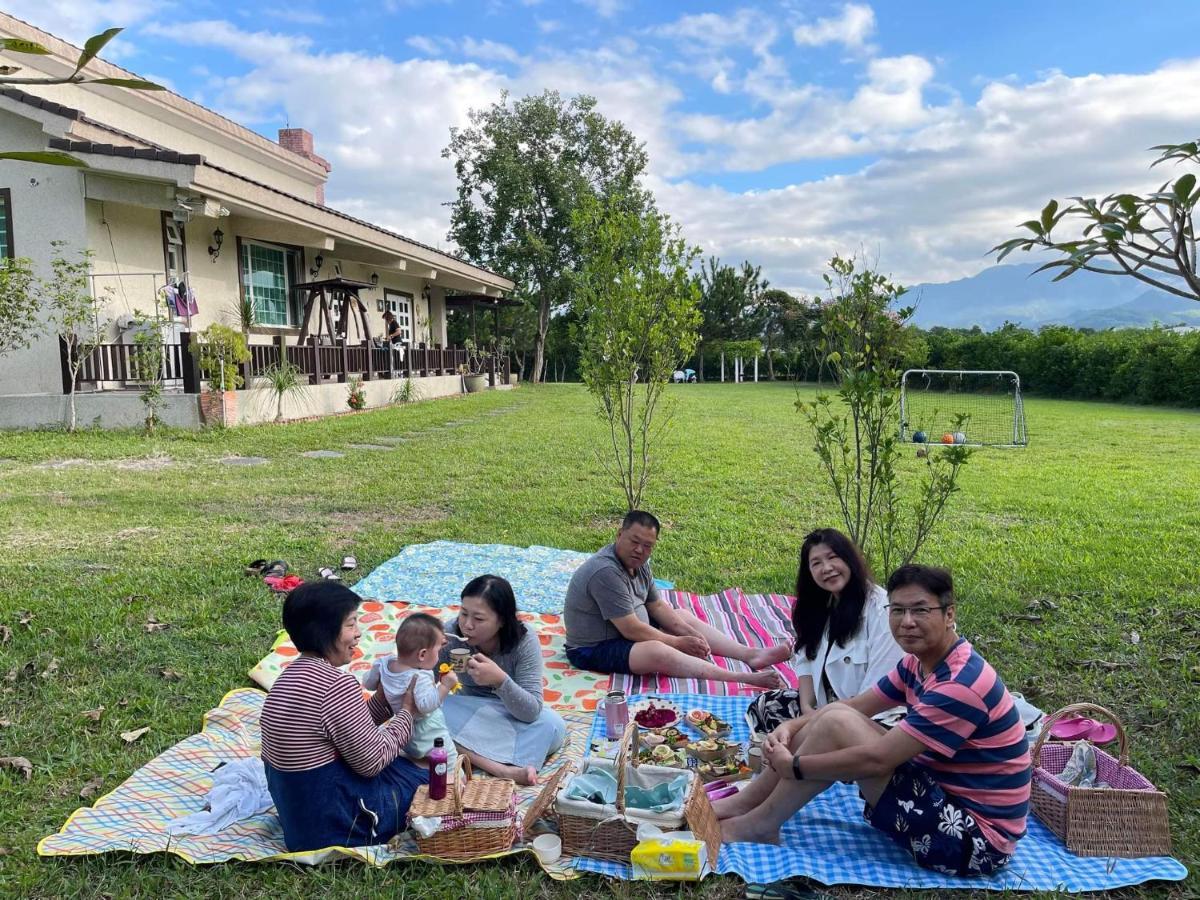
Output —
(418, 640)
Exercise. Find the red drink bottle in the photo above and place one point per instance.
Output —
(437, 770)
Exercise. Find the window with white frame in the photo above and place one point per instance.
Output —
(268, 273)
(175, 255)
(400, 304)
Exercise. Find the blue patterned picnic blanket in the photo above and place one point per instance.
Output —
(828, 841)
(435, 574)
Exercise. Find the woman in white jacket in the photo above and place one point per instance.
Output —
(843, 642)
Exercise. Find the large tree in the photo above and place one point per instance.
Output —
(1150, 238)
(729, 304)
(524, 169)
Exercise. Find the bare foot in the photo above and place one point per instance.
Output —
(523, 775)
(770, 656)
(732, 806)
(769, 680)
(741, 829)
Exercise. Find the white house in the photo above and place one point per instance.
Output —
(176, 195)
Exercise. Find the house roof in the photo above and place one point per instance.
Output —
(158, 153)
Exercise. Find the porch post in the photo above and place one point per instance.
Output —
(189, 362)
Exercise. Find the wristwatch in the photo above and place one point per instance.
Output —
(796, 768)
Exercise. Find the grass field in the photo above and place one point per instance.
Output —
(1077, 561)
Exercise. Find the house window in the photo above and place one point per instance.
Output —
(174, 251)
(6, 234)
(268, 273)
(401, 305)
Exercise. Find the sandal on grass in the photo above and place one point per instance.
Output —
(795, 889)
(256, 567)
(276, 568)
(349, 562)
(328, 574)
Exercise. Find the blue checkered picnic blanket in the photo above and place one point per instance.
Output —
(829, 842)
(435, 574)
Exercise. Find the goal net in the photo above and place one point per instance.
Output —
(962, 407)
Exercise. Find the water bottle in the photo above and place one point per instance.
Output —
(437, 770)
(616, 715)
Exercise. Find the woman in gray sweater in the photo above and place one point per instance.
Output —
(498, 718)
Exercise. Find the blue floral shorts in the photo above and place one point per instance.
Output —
(915, 812)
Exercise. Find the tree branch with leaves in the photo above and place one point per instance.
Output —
(1150, 238)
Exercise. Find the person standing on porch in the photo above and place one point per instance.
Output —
(617, 622)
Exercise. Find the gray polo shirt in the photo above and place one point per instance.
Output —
(600, 590)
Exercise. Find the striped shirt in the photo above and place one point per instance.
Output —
(976, 747)
(314, 714)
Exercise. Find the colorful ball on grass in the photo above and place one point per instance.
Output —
(920, 437)
(959, 437)
(922, 453)
(947, 438)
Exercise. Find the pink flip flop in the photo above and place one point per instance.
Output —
(1083, 729)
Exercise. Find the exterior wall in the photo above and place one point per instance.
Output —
(123, 409)
(47, 205)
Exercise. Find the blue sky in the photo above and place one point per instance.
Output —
(915, 133)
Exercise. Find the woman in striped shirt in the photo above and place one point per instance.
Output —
(337, 777)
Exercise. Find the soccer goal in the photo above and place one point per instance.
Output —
(933, 400)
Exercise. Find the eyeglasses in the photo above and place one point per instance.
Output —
(918, 612)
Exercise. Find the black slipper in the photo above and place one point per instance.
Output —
(256, 567)
(793, 889)
(275, 568)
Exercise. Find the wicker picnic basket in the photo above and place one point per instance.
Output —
(1127, 820)
(479, 816)
(595, 830)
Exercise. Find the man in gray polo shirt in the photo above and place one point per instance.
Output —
(617, 622)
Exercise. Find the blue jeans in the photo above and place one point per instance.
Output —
(334, 806)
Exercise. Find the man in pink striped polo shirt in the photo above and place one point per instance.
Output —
(949, 784)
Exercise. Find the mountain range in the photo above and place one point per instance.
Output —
(1013, 293)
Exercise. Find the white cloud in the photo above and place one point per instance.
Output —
(252, 46)
(604, 8)
(77, 20)
(489, 50)
(548, 26)
(851, 28)
(745, 27)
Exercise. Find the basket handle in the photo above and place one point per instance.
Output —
(623, 754)
(1073, 709)
(463, 768)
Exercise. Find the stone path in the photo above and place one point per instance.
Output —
(244, 460)
(369, 447)
(322, 454)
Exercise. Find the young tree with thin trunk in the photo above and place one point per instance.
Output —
(75, 314)
(637, 301)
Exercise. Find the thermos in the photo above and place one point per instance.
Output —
(616, 715)
(437, 770)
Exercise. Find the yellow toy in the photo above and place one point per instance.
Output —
(443, 669)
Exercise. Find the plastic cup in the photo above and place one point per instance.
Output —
(548, 848)
(458, 659)
(754, 759)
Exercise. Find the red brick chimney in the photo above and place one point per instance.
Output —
(300, 142)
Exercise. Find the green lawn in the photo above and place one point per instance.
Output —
(1094, 530)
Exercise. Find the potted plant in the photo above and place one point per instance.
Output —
(474, 380)
(356, 397)
(222, 350)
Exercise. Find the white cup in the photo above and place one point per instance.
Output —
(548, 848)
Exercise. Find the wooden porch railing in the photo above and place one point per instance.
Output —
(321, 363)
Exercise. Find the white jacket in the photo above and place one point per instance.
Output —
(869, 655)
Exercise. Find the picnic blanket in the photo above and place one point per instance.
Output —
(133, 818)
(829, 842)
(565, 688)
(435, 574)
(756, 620)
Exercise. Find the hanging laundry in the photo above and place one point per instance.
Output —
(171, 298)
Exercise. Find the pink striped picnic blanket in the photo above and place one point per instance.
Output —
(757, 620)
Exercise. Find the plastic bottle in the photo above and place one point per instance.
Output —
(437, 770)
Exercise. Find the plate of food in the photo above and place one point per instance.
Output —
(673, 737)
(708, 724)
(713, 749)
(662, 755)
(733, 769)
(655, 714)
